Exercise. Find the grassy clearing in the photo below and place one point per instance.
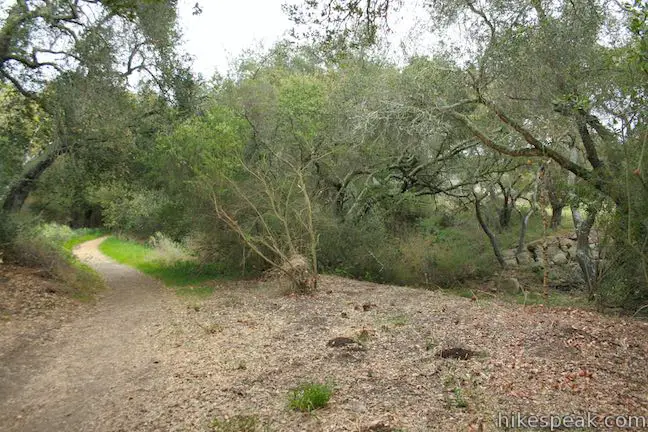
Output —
(187, 277)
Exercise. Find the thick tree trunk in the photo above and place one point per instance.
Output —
(489, 233)
(556, 215)
(19, 191)
(505, 213)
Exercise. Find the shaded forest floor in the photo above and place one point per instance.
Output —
(143, 359)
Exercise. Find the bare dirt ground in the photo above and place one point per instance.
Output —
(142, 359)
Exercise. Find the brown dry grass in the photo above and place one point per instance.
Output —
(530, 360)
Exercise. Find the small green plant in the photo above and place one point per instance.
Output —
(459, 400)
(310, 396)
(240, 423)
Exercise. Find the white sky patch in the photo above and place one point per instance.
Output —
(226, 28)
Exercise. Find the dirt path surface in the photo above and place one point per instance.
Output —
(79, 376)
(144, 359)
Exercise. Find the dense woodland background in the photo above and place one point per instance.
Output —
(322, 155)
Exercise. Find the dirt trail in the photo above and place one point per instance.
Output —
(85, 372)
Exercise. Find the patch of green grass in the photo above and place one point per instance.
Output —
(81, 236)
(308, 397)
(240, 423)
(185, 274)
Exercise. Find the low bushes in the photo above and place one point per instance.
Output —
(48, 247)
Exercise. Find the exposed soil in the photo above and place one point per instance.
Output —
(142, 359)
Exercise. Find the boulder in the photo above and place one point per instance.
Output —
(560, 258)
(509, 285)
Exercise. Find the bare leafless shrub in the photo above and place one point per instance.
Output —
(272, 213)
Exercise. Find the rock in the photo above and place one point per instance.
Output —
(377, 426)
(340, 342)
(567, 244)
(536, 244)
(537, 265)
(510, 262)
(553, 250)
(357, 406)
(560, 258)
(345, 342)
(524, 258)
(457, 353)
(510, 285)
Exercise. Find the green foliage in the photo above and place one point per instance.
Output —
(129, 210)
(204, 148)
(362, 167)
(308, 397)
(23, 130)
(639, 27)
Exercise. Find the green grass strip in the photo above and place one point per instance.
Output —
(185, 276)
(82, 237)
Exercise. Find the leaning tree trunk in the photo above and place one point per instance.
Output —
(489, 233)
(583, 228)
(19, 191)
(524, 224)
(583, 251)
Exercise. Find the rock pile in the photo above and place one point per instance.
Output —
(560, 251)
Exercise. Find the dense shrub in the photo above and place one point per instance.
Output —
(132, 210)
